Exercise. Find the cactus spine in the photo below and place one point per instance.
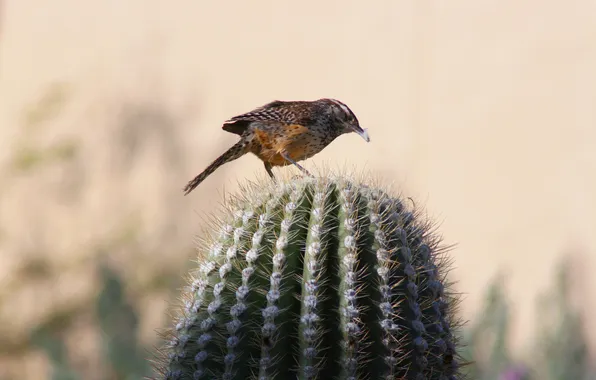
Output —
(316, 278)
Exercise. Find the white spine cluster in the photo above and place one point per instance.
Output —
(349, 260)
(240, 307)
(201, 283)
(312, 265)
(269, 327)
(385, 262)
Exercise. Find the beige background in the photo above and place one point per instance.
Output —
(483, 111)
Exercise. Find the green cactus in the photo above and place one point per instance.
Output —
(316, 278)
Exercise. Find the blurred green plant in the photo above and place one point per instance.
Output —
(27, 155)
(560, 351)
(123, 357)
(118, 322)
(486, 339)
(35, 149)
(561, 345)
(55, 350)
(48, 106)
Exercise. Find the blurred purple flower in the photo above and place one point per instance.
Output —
(515, 373)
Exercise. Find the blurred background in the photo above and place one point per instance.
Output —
(483, 111)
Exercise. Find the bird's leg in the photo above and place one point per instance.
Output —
(269, 171)
(287, 158)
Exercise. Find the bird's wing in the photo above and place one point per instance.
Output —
(278, 111)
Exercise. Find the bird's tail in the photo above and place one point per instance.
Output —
(236, 151)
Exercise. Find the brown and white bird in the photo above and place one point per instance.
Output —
(285, 132)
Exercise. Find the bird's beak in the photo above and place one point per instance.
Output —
(362, 132)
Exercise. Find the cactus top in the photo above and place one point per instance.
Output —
(316, 279)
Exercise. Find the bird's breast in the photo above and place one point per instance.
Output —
(297, 141)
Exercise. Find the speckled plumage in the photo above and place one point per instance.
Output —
(284, 132)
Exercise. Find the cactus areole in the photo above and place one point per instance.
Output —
(316, 278)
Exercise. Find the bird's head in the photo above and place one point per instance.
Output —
(343, 117)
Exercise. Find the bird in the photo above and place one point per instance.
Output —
(282, 133)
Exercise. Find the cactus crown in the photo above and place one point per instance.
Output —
(316, 278)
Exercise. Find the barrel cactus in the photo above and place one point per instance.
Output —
(316, 278)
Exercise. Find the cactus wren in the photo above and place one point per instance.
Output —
(284, 132)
